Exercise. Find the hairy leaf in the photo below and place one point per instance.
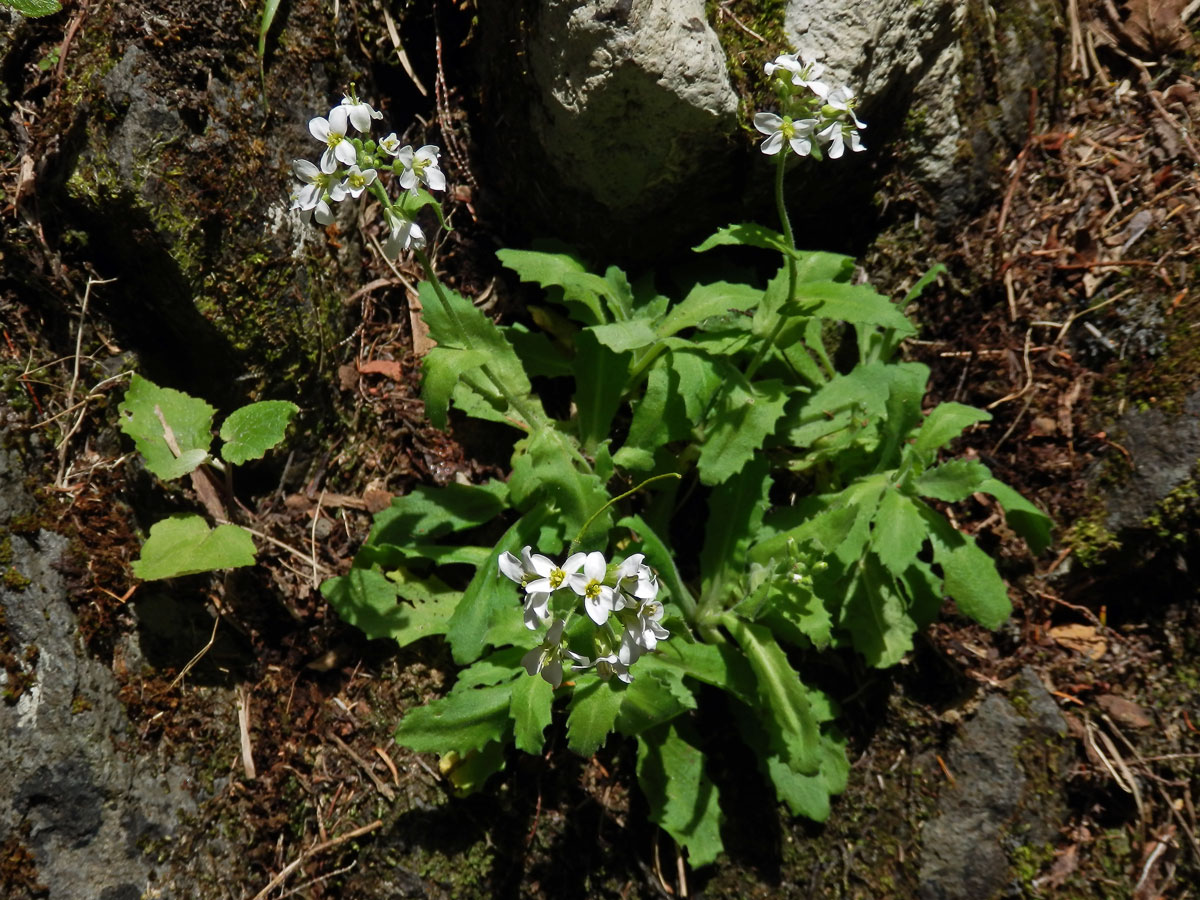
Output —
(171, 429)
(530, 711)
(183, 544)
(442, 370)
(594, 709)
(705, 300)
(462, 721)
(34, 8)
(682, 798)
(858, 304)
(971, 579)
(656, 695)
(876, 617)
(600, 374)
(899, 531)
(1022, 516)
(252, 430)
(739, 426)
(789, 720)
(429, 512)
(953, 481)
(946, 422)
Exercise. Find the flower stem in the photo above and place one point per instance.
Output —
(788, 237)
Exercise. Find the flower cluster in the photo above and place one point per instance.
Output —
(350, 165)
(818, 118)
(626, 593)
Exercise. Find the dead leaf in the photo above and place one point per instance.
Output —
(1155, 26)
(1064, 867)
(1124, 711)
(1085, 639)
(388, 367)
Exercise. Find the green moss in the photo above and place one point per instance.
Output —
(1090, 539)
(14, 580)
(745, 53)
(1030, 860)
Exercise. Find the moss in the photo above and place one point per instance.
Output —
(746, 53)
(1091, 541)
(14, 580)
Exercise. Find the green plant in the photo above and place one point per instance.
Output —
(726, 406)
(173, 433)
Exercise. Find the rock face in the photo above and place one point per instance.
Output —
(993, 806)
(90, 816)
(1165, 449)
(636, 98)
(634, 119)
(950, 79)
(630, 110)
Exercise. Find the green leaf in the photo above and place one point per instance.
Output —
(720, 665)
(369, 601)
(858, 304)
(656, 695)
(899, 531)
(683, 800)
(430, 512)
(34, 8)
(458, 325)
(953, 481)
(629, 335)
(1022, 516)
(658, 555)
(530, 711)
(462, 721)
(595, 705)
(781, 696)
(252, 430)
(442, 370)
(875, 614)
(706, 300)
(468, 772)
(563, 271)
(935, 272)
(184, 544)
(600, 377)
(738, 428)
(735, 513)
(971, 579)
(747, 234)
(795, 613)
(270, 7)
(490, 591)
(155, 418)
(543, 471)
(946, 422)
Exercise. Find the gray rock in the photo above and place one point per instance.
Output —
(630, 110)
(1165, 449)
(992, 805)
(89, 814)
(632, 92)
(959, 76)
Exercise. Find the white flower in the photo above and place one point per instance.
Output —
(644, 628)
(836, 136)
(537, 603)
(550, 576)
(598, 598)
(316, 183)
(840, 100)
(547, 657)
(608, 666)
(357, 180)
(332, 133)
(802, 75)
(360, 113)
(405, 233)
(636, 578)
(390, 144)
(798, 134)
(420, 166)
